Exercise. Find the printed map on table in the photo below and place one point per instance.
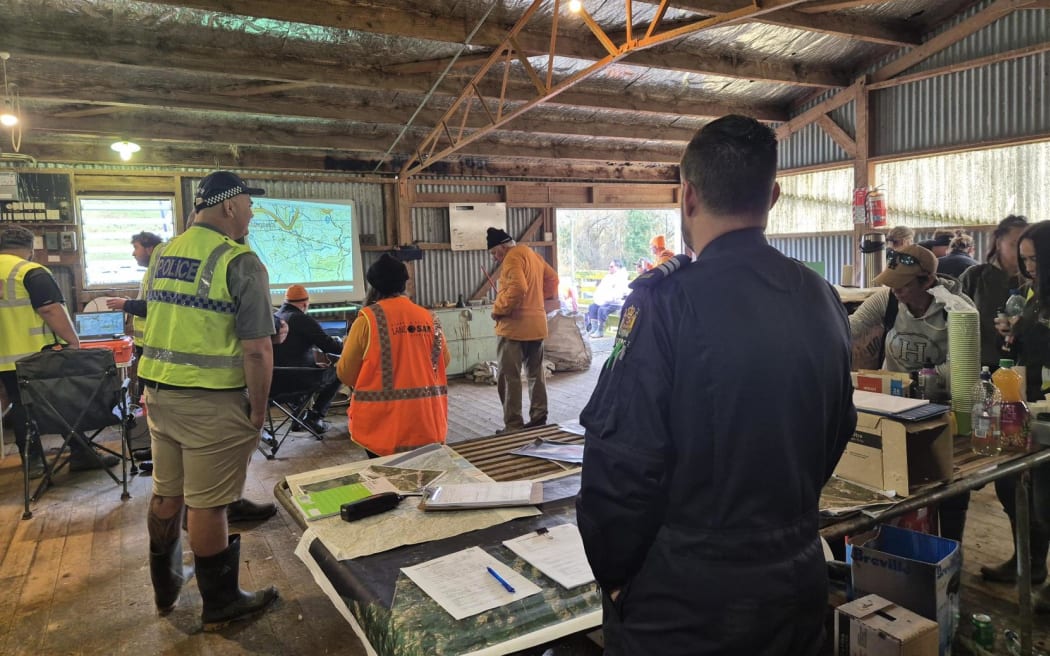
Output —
(302, 240)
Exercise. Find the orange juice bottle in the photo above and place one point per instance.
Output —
(1014, 415)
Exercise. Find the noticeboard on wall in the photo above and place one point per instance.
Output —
(468, 223)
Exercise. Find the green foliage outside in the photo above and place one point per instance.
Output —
(589, 239)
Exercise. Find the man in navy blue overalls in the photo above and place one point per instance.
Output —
(716, 421)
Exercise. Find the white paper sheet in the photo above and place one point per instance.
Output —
(884, 403)
(558, 553)
(482, 495)
(461, 584)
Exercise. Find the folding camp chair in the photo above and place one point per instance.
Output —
(292, 393)
(76, 393)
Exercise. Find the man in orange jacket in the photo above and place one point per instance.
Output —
(525, 280)
(394, 358)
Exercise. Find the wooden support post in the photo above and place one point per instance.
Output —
(390, 216)
(863, 168)
(405, 196)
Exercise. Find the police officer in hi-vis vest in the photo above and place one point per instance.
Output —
(32, 314)
(206, 366)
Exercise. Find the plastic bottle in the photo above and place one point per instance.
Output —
(1014, 307)
(928, 380)
(1014, 415)
(985, 434)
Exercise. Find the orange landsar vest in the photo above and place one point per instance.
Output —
(401, 398)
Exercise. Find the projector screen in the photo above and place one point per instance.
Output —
(313, 243)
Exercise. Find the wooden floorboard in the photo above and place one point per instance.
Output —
(75, 578)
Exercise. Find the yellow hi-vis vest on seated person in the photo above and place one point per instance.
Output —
(23, 332)
(189, 339)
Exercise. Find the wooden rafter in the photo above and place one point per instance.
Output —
(837, 5)
(948, 37)
(969, 64)
(404, 19)
(835, 131)
(939, 42)
(147, 126)
(895, 32)
(425, 154)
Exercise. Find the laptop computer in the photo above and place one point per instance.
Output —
(99, 326)
(334, 328)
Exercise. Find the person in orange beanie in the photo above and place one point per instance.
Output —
(658, 247)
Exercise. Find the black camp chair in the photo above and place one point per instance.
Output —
(75, 393)
(292, 393)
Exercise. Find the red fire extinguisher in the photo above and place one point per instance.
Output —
(860, 205)
(877, 207)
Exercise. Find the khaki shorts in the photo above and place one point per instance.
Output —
(202, 441)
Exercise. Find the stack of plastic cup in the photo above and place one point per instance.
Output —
(964, 357)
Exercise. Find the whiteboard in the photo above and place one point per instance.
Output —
(468, 223)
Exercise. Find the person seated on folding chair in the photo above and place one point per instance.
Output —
(297, 350)
(394, 359)
(33, 315)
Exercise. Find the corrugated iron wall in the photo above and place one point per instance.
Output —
(1003, 101)
(443, 275)
(811, 146)
(835, 249)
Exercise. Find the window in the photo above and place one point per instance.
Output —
(108, 224)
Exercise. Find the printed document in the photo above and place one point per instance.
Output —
(459, 496)
(461, 583)
(557, 552)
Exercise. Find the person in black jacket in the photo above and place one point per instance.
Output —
(716, 420)
(959, 257)
(297, 350)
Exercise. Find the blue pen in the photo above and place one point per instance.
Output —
(502, 581)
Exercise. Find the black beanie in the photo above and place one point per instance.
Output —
(388, 275)
(495, 237)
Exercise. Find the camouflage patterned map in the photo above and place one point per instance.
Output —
(302, 240)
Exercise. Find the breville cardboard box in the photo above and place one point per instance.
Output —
(917, 571)
(873, 626)
(887, 454)
(881, 381)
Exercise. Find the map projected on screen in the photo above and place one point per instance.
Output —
(307, 242)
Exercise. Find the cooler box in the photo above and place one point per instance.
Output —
(123, 348)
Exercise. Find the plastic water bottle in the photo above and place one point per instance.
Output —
(1014, 308)
(928, 380)
(1013, 417)
(986, 437)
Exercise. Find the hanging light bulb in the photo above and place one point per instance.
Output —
(575, 6)
(126, 149)
(8, 117)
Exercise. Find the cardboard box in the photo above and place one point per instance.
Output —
(881, 381)
(917, 571)
(887, 454)
(873, 626)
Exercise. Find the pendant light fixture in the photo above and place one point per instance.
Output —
(125, 148)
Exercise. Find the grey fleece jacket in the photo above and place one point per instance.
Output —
(911, 340)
